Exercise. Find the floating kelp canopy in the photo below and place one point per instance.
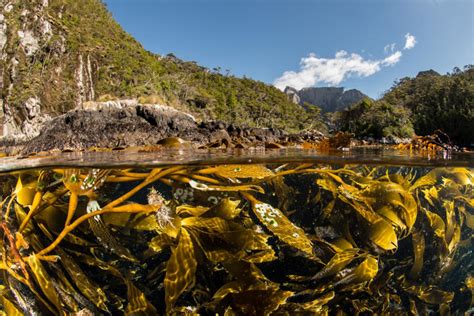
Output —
(238, 239)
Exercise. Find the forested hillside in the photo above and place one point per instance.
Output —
(58, 54)
(423, 105)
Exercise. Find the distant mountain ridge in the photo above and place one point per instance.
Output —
(330, 99)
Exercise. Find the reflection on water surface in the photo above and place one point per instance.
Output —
(142, 156)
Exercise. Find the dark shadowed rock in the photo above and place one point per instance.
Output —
(109, 127)
(106, 126)
(427, 73)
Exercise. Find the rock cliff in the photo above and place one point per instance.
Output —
(328, 99)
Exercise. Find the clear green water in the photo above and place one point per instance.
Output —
(247, 233)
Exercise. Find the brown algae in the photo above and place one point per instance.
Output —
(242, 239)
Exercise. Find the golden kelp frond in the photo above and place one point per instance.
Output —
(436, 223)
(276, 222)
(352, 197)
(395, 196)
(383, 235)
(469, 218)
(10, 308)
(137, 302)
(341, 244)
(248, 299)
(315, 307)
(238, 171)
(227, 209)
(133, 221)
(461, 176)
(364, 272)
(189, 210)
(44, 281)
(389, 210)
(102, 233)
(431, 195)
(180, 270)
(429, 179)
(418, 241)
(162, 241)
(87, 287)
(338, 262)
(25, 194)
(223, 240)
(224, 188)
(430, 294)
(470, 285)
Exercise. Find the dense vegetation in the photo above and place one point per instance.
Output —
(426, 103)
(116, 66)
(375, 119)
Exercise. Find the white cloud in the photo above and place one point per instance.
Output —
(410, 41)
(392, 59)
(333, 71)
(389, 48)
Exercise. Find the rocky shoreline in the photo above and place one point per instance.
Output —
(129, 124)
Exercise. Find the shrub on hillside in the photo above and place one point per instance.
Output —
(375, 119)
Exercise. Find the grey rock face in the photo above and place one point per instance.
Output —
(292, 94)
(31, 124)
(3, 34)
(328, 99)
(325, 98)
(24, 30)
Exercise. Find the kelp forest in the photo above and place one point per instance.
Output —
(251, 239)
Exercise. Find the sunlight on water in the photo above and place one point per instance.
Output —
(285, 235)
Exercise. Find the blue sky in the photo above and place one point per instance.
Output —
(268, 39)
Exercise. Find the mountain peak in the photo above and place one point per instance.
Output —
(429, 72)
(329, 99)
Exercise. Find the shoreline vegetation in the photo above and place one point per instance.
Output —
(147, 127)
(420, 105)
